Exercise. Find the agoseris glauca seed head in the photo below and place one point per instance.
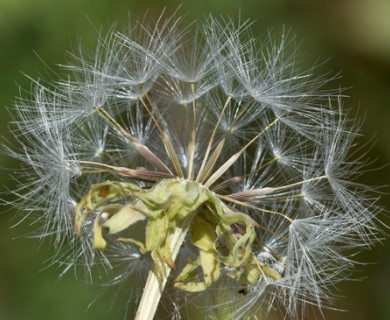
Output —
(202, 155)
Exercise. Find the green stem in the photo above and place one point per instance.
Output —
(155, 285)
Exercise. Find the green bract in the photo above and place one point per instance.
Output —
(222, 236)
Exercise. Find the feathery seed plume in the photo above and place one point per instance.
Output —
(202, 165)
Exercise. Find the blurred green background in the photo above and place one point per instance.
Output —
(354, 34)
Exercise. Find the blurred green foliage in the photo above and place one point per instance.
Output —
(354, 33)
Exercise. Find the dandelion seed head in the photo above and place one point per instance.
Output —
(203, 155)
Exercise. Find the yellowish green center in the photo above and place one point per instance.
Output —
(223, 237)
